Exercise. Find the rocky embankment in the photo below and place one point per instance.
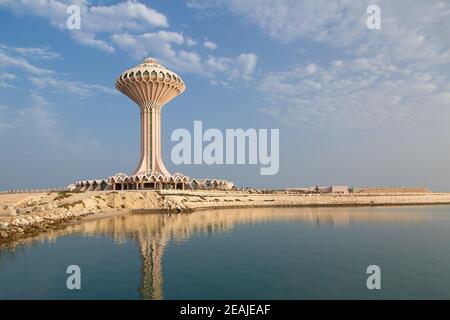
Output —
(27, 214)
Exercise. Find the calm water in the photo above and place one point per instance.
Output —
(239, 254)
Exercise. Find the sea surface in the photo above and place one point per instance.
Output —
(273, 253)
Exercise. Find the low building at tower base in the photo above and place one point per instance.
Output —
(151, 181)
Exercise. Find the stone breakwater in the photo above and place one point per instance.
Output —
(23, 215)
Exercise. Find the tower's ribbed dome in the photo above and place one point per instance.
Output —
(150, 83)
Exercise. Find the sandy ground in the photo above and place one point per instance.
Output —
(26, 214)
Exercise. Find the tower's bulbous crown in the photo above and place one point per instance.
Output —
(150, 83)
(151, 62)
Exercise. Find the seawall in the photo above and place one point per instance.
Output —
(27, 214)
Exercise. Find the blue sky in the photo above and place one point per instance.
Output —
(354, 106)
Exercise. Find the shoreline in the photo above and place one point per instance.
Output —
(26, 215)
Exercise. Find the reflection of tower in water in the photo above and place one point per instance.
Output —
(151, 251)
(152, 232)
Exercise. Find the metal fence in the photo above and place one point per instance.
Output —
(34, 190)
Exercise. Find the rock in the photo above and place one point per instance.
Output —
(4, 226)
(49, 206)
(23, 222)
(3, 234)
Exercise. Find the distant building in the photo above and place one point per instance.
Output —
(322, 189)
(333, 189)
(340, 190)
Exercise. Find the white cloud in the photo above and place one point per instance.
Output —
(395, 76)
(163, 44)
(130, 15)
(287, 20)
(210, 45)
(126, 26)
(217, 64)
(190, 42)
(411, 30)
(17, 58)
(6, 76)
(202, 4)
(42, 78)
(357, 93)
(245, 64)
(205, 9)
(6, 85)
(76, 88)
(158, 43)
(95, 20)
(43, 53)
(38, 53)
(8, 61)
(89, 39)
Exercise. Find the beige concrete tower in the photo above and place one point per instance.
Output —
(151, 86)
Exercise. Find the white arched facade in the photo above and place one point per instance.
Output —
(151, 181)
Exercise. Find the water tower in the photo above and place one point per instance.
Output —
(151, 86)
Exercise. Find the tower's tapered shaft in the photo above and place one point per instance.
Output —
(151, 141)
(151, 86)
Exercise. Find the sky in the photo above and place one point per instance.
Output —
(353, 106)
